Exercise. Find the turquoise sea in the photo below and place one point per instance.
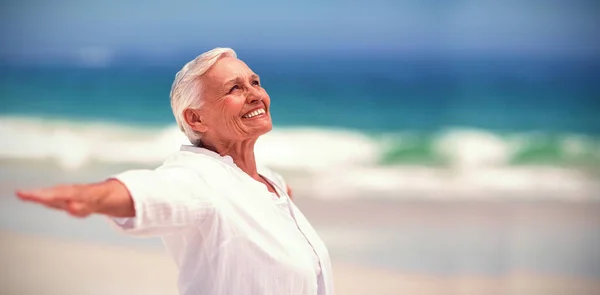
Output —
(522, 120)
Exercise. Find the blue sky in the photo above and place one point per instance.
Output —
(47, 29)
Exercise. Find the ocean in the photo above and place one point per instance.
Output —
(503, 124)
(500, 139)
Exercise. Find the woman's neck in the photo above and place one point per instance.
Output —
(241, 152)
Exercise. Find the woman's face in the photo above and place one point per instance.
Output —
(236, 107)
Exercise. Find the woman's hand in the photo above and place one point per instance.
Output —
(80, 200)
(289, 192)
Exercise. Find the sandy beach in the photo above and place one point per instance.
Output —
(378, 247)
(45, 265)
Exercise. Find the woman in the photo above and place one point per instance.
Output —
(229, 225)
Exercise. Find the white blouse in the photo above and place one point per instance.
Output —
(225, 231)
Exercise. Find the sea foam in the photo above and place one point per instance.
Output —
(337, 163)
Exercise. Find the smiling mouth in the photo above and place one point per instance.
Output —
(254, 114)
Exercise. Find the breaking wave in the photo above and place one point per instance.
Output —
(341, 163)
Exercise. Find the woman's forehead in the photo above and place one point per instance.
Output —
(229, 68)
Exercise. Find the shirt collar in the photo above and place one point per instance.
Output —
(225, 159)
(228, 160)
(203, 151)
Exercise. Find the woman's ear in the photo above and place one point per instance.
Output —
(195, 120)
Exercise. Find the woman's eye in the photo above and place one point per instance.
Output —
(256, 83)
(235, 87)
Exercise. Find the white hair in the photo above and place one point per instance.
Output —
(186, 91)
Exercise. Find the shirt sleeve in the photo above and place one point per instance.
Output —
(166, 200)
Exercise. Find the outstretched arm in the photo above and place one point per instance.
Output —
(140, 202)
(109, 197)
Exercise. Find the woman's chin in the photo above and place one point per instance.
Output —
(265, 129)
(257, 130)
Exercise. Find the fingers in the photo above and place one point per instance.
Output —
(47, 197)
(64, 197)
(55, 197)
(33, 195)
(59, 205)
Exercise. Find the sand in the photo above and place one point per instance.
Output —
(47, 265)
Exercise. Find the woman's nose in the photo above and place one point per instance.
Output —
(254, 95)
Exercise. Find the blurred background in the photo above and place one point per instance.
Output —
(438, 147)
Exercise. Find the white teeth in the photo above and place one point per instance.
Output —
(255, 113)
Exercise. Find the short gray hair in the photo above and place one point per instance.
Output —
(186, 91)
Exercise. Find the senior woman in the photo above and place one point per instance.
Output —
(229, 225)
